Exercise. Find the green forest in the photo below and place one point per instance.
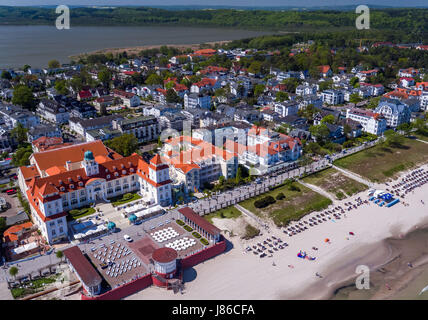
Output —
(406, 20)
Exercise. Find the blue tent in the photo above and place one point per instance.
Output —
(132, 217)
(111, 225)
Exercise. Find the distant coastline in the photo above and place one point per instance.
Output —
(137, 49)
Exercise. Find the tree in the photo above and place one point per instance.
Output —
(325, 85)
(320, 132)
(53, 64)
(22, 156)
(238, 177)
(281, 96)
(3, 225)
(221, 180)
(6, 75)
(171, 96)
(19, 133)
(354, 81)
(61, 87)
(406, 127)
(355, 98)
(125, 144)
(13, 271)
(104, 76)
(259, 89)
(23, 96)
(393, 139)
(59, 255)
(26, 67)
(154, 79)
(328, 119)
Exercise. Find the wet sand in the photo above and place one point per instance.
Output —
(395, 279)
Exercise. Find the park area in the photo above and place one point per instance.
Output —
(335, 182)
(288, 202)
(380, 163)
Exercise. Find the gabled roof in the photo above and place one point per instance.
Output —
(198, 220)
(84, 269)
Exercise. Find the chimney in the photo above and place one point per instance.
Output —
(68, 165)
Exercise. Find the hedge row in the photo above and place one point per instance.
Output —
(264, 202)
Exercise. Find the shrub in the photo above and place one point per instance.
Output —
(196, 235)
(179, 222)
(250, 232)
(280, 196)
(187, 228)
(204, 242)
(293, 187)
(264, 202)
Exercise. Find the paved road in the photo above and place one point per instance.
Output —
(318, 190)
(354, 176)
(250, 215)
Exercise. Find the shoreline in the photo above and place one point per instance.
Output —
(245, 276)
(138, 49)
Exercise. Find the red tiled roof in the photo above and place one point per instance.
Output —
(164, 255)
(10, 234)
(198, 220)
(324, 69)
(73, 153)
(85, 94)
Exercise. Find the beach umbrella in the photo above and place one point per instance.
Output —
(111, 225)
(326, 240)
(351, 233)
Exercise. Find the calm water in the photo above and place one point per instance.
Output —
(36, 45)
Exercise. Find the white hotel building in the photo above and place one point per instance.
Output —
(373, 123)
(76, 176)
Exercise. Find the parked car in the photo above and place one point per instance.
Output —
(127, 238)
(11, 191)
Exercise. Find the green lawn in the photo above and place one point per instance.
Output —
(228, 213)
(34, 287)
(80, 213)
(335, 182)
(296, 204)
(128, 197)
(380, 163)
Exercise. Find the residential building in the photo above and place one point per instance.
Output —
(394, 111)
(52, 111)
(371, 122)
(332, 96)
(193, 101)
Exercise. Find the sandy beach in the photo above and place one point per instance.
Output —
(238, 275)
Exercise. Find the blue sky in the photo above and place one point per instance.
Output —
(218, 2)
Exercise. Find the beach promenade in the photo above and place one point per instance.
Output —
(239, 275)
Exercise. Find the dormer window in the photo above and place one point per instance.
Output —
(71, 186)
(70, 180)
(60, 182)
(80, 184)
(108, 176)
(123, 171)
(122, 166)
(106, 170)
(114, 168)
(79, 178)
(116, 174)
(62, 189)
(131, 170)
